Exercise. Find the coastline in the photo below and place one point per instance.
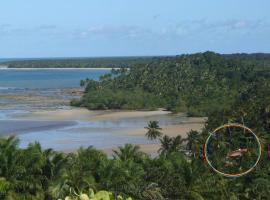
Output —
(88, 115)
(103, 68)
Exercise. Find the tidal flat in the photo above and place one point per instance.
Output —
(35, 108)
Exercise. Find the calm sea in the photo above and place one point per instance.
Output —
(47, 78)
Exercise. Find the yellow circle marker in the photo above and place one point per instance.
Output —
(232, 175)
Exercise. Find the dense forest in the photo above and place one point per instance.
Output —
(224, 89)
(196, 84)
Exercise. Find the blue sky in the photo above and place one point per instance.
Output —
(63, 28)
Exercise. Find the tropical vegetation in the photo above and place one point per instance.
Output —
(222, 88)
(197, 84)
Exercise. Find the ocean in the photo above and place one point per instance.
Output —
(46, 78)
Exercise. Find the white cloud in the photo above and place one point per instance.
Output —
(182, 30)
(189, 28)
(111, 31)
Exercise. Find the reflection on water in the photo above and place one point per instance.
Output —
(70, 135)
(69, 140)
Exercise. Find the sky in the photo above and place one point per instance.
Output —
(90, 28)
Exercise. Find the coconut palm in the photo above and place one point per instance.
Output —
(153, 130)
(127, 152)
(166, 143)
(177, 143)
(193, 140)
(171, 144)
(8, 157)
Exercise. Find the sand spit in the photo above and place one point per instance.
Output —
(87, 115)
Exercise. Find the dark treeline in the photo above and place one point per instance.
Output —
(258, 59)
(106, 62)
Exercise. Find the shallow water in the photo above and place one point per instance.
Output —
(69, 139)
(26, 126)
(48, 78)
(38, 89)
(26, 91)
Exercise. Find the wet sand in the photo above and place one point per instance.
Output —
(16, 127)
(171, 130)
(122, 127)
(88, 115)
(59, 115)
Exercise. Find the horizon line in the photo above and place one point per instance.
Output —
(128, 56)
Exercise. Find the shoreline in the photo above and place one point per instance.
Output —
(53, 68)
(87, 115)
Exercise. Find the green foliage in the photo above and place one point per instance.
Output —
(33, 173)
(220, 87)
(101, 195)
(153, 130)
(118, 99)
(197, 84)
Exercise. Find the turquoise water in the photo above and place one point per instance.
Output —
(51, 78)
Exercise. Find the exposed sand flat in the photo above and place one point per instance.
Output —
(65, 115)
(170, 130)
(116, 115)
(181, 127)
(86, 115)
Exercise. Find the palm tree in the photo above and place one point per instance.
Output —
(171, 144)
(177, 143)
(52, 170)
(8, 159)
(153, 130)
(127, 152)
(166, 143)
(152, 192)
(194, 142)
